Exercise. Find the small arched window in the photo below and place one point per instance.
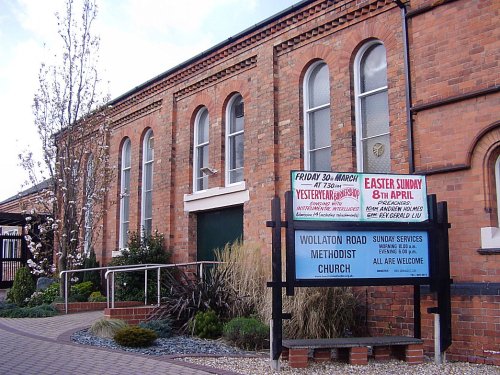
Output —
(317, 133)
(372, 109)
(125, 193)
(200, 157)
(235, 142)
(147, 183)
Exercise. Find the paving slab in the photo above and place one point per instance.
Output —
(42, 346)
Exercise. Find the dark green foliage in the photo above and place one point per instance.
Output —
(247, 333)
(81, 291)
(96, 297)
(22, 288)
(206, 325)
(14, 311)
(129, 286)
(46, 296)
(186, 294)
(92, 276)
(162, 327)
(135, 337)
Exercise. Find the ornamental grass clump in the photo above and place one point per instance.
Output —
(135, 337)
(107, 328)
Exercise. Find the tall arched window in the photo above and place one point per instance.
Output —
(147, 182)
(125, 193)
(89, 205)
(200, 157)
(235, 126)
(372, 109)
(317, 134)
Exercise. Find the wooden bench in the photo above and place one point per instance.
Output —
(353, 349)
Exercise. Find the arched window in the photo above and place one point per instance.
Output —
(200, 157)
(372, 109)
(125, 193)
(147, 183)
(317, 134)
(235, 126)
(89, 205)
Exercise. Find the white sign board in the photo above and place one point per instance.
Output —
(331, 196)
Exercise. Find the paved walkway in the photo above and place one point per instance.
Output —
(42, 346)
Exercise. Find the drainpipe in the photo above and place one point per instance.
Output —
(409, 119)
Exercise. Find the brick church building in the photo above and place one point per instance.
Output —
(389, 86)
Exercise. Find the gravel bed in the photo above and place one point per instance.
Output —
(229, 358)
(170, 346)
(261, 366)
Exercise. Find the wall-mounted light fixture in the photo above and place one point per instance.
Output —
(209, 171)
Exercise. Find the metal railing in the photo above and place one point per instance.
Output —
(67, 272)
(112, 270)
(146, 268)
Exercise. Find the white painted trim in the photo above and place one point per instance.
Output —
(218, 197)
(490, 238)
(196, 145)
(228, 135)
(497, 179)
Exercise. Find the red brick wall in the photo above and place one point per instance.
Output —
(131, 315)
(449, 57)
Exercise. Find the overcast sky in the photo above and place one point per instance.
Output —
(139, 40)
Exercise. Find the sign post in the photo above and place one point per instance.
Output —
(355, 229)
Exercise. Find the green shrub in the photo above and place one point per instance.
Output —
(82, 291)
(162, 327)
(22, 288)
(247, 333)
(97, 297)
(206, 325)
(134, 336)
(46, 296)
(41, 311)
(107, 328)
(129, 286)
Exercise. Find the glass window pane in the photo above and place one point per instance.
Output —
(148, 208)
(319, 86)
(236, 175)
(373, 68)
(237, 113)
(125, 207)
(126, 181)
(124, 238)
(202, 182)
(126, 155)
(375, 114)
(148, 176)
(319, 128)
(236, 148)
(148, 225)
(376, 155)
(321, 160)
(203, 127)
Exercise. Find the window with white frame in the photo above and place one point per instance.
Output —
(317, 133)
(200, 157)
(235, 126)
(125, 193)
(147, 183)
(89, 206)
(372, 109)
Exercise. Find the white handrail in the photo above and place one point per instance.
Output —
(67, 272)
(145, 268)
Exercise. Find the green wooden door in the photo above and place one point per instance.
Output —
(217, 228)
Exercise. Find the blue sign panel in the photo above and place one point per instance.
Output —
(361, 254)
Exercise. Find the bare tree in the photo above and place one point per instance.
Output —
(73, 124)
